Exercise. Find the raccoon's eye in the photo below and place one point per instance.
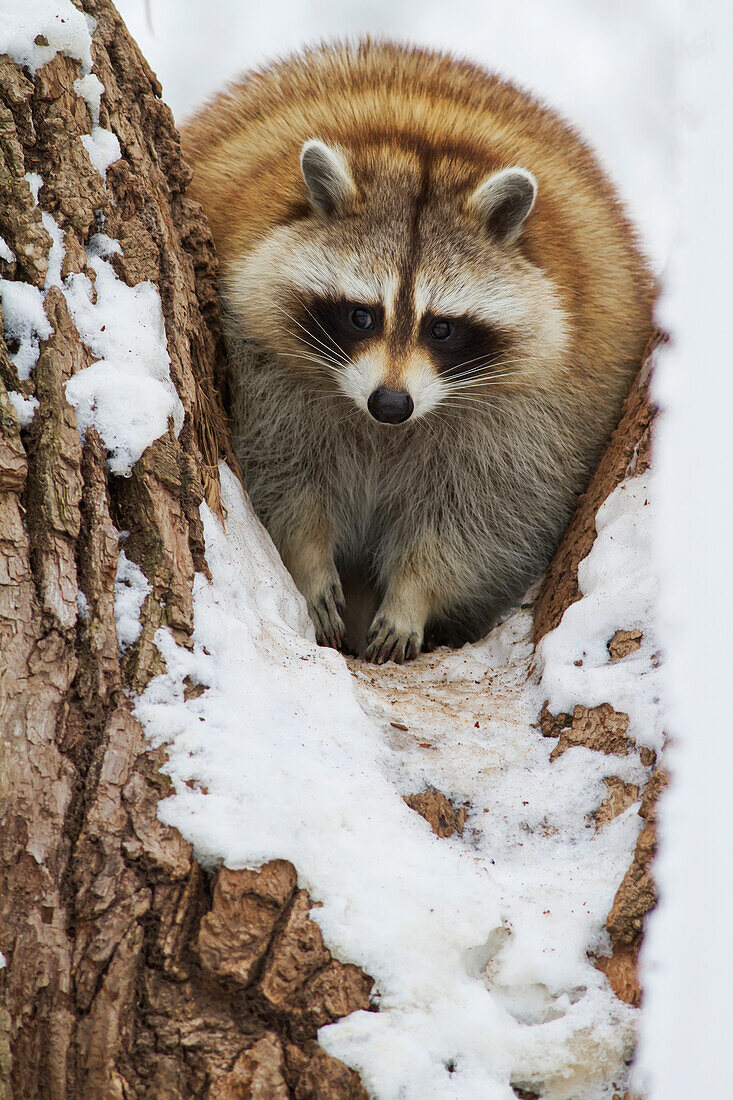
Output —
(441, 330)
(362, 318)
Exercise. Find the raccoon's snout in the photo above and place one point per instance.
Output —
(390, 406)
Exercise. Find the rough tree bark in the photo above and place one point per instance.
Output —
(131, 972)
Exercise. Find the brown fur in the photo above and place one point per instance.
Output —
(244, 146)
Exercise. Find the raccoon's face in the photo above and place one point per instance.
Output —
(402, 292)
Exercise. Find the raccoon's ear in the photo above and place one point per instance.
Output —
(326, 176)
(503, 202)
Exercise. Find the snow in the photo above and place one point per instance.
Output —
(102, 145)
(103, 148)
(24, 322)
(131, 591)
(35, 182)
(620, 590)
(127, 395)
(6, 252)
(91, 89)
(56, 252)
(82, 604)
(479, 944)
(687, 958)
(25, 407)
(65, 28)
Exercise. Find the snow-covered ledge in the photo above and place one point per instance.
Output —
(481, 944)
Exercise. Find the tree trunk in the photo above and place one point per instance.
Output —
(127, 975)
(130, 971)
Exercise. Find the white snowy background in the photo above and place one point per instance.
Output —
(478, 943)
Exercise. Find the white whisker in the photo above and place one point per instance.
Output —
(326, 356)
(484, 367)
(325, 330)
(316, 360)
(314, 353)
(324, 346)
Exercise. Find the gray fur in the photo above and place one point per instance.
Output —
(476, 500)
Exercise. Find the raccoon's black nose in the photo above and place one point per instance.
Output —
(390, 406)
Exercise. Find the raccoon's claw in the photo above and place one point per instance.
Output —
(325, 612)
(386, 642)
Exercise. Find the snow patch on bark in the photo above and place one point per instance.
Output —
(127, 395)
(65, 29)
(24, 319)
(131, 590)
(91, 89)
(102, 147)
(56, 252)
(6, 252)
(82, 604)
(25, 323)
(619, 588)
(32, 32)
(35, 182)
(25, 407)
(479, 942)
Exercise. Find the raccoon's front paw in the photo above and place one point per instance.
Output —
(326, 610)
(386, 641)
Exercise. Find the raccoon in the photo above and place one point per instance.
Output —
(434, 306)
